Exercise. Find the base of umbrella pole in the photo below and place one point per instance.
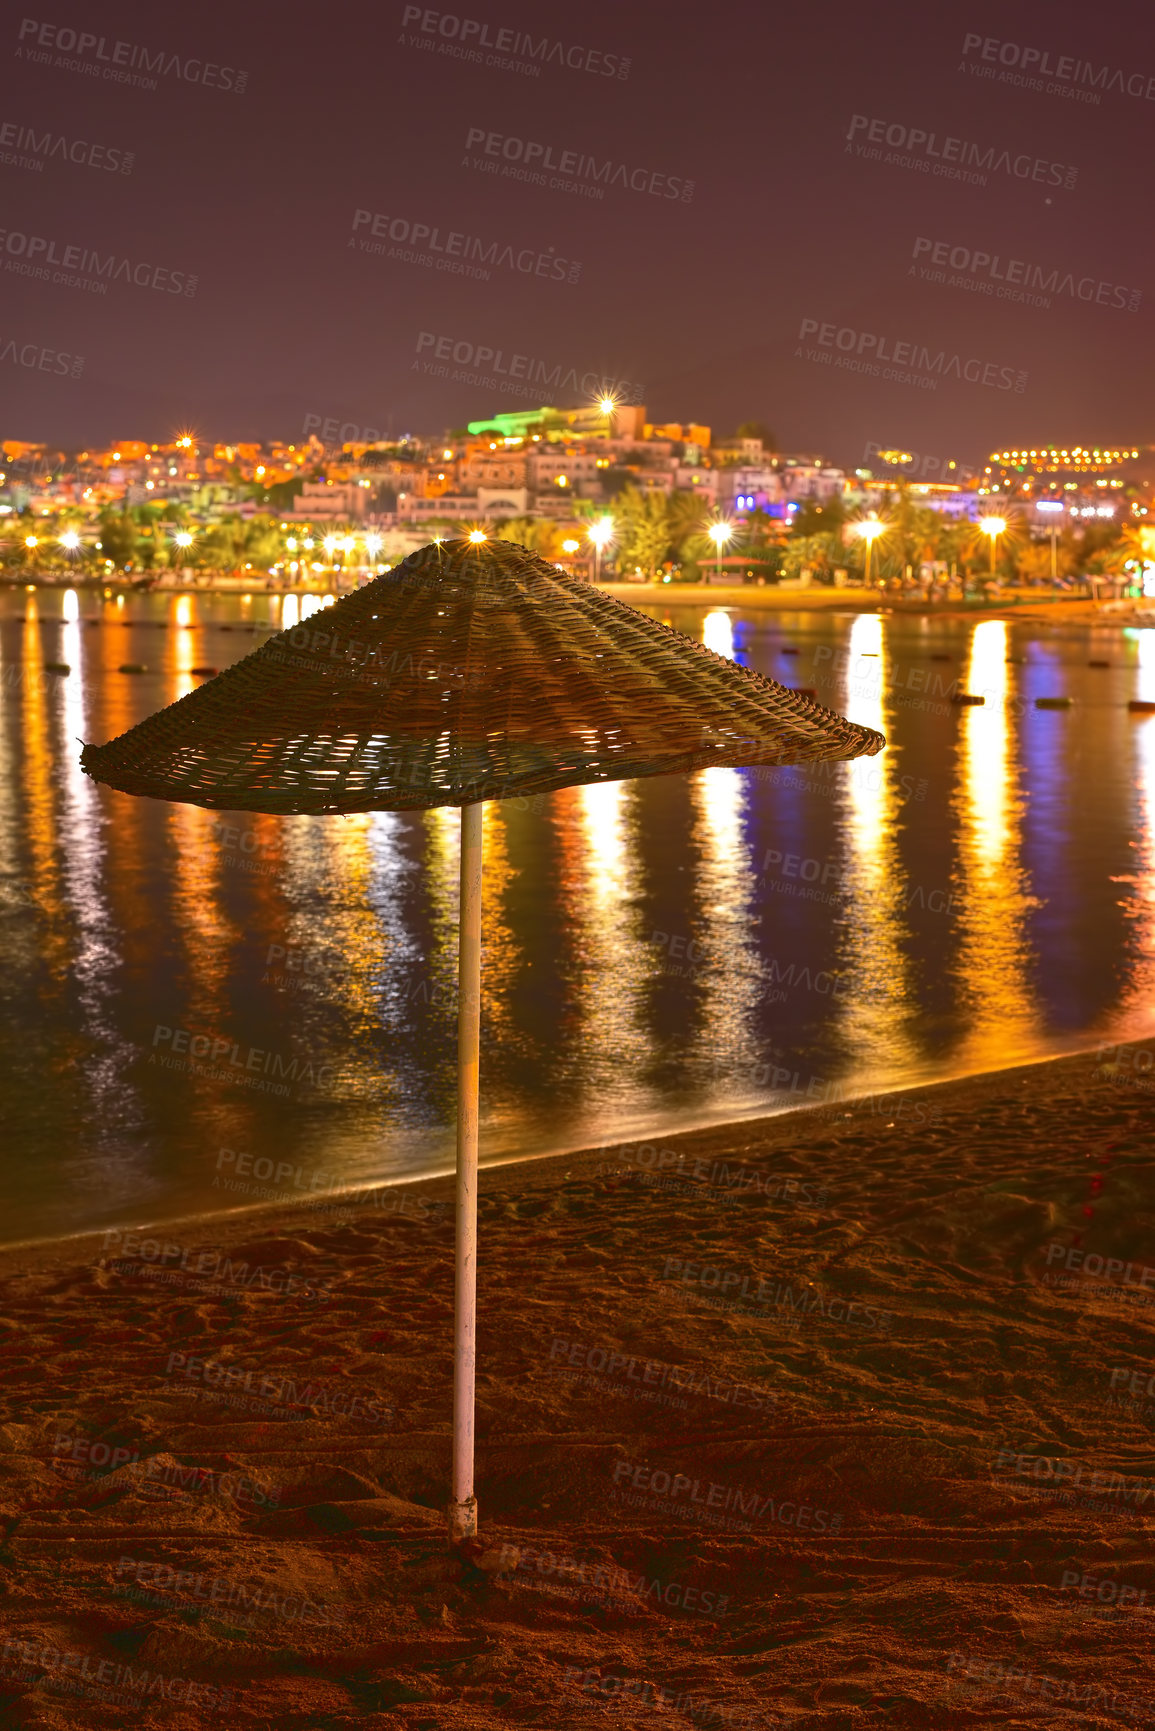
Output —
(462, 1511)
(462, 1521)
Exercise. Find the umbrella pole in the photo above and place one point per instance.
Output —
(463, 1509)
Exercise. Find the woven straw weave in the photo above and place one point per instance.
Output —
(469, 672)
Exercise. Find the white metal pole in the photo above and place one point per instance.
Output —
(463, 1508)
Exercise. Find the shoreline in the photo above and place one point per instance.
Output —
(773, 598)
(270, 1214)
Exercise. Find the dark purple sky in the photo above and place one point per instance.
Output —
(701, 301)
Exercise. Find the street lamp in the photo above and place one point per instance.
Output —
(1052, 506)
(477, 536)
(719, 534)
(70, 540)
(870, 530)
(992, 526)
(600, 534)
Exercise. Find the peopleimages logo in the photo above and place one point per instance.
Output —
(948, 157)
(507, 50)
(219, 1051)
(455, 250)
(1035, 67)
(37, 148)
(84, 267)
(496, 363)
(1016, 280)
(58, 45)
(864, 351)
(40, 359)
(571, 170)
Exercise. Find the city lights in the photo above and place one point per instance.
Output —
(600, 534)
(994, 527)
(869, 529)
(720, 534)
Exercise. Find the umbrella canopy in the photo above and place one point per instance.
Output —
(471, 672)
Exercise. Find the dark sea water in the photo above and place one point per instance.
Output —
(190, 998)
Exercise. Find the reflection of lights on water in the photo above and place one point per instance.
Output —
(876, 1004)
(601, 804)
(987, 751)
(991, 959)
(1141, 904)
(290, 612)
(718, 633)
(310, 604)
(441, 871)
(184, 651)
(71, 605)
(863, 701)
(596, 829)
(610, 937)
(1145, 647)
(729, 981)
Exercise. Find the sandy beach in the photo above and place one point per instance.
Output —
(838, 1419)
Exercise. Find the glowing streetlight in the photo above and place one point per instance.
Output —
(70, 539)
(330, 544)
(373, 545)
(31, 541)
(870, 530)
(600, 534)
(570, 546)
(992, 526)
(184, 539)
(719, 534)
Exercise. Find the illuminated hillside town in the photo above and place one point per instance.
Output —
(599, 490)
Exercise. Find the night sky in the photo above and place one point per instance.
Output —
(697, 296)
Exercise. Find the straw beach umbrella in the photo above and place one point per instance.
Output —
(472, 671)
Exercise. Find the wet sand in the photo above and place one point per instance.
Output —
(839, 1419)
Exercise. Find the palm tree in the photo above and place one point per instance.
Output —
(642, 529)
(687, 515)
(540, 534)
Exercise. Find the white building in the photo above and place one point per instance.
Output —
(757, 481)
(801, 479)
(329, 499)
(502, 501)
